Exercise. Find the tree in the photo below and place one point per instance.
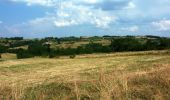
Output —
(15, 38)
(165, 43)
(126, 44)
(3, 49)
(23, 54)
(38, 49)
(152, 44)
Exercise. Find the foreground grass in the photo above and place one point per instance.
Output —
(122, 76)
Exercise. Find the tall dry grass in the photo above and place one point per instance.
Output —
(112, 86)
(125, 77)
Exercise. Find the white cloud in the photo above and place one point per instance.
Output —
(38, 2)
(70, 14)
(104, 21)
(131, 5)
(117, 15)
(52, 3)
(163, 25)
(63, 23)
(131, 29)
(12, 29)
(39, 21)
(99, 13)
(91, 1)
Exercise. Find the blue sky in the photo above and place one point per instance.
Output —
(60, 18)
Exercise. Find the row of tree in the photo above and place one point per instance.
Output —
(133, 44)
(117, 45)
(40, 48)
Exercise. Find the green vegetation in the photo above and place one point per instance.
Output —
(54, 47)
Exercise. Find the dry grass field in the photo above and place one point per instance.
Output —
(80, 43)
(114, 76)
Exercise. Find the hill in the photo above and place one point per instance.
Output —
(128, 75)
(53, 47)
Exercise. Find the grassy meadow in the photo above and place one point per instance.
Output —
(112, 76)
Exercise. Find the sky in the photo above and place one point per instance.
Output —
(63, 18)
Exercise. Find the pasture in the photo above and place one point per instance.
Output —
(121, 76)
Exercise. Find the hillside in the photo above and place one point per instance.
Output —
(128, 75)
(53, 47)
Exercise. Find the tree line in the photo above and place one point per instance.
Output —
(118, 44)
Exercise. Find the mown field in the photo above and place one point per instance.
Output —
(113, 76)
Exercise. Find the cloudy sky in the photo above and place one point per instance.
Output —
(41, 18)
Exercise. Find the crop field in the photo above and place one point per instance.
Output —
(112, 76)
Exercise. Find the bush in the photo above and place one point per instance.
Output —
(126, 44)
(54, 56)
(0, 56)
(51, 56)
(152, 44)
(72, 56)
(23, 54)
(169, 51)
(3, 48)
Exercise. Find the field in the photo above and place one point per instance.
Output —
(118, 76)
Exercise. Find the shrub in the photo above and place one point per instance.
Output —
(51, 56)
(168, 51)
(126, 44)
(72, 56)
(3, 48)
(23, 54)
(54, 56)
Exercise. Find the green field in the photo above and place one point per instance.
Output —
(113, 76)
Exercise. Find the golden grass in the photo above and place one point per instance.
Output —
(8, 56)
(25, 47)
(120, 76)
(80, 43)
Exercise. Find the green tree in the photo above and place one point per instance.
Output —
(23, 54)
(126, 44)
